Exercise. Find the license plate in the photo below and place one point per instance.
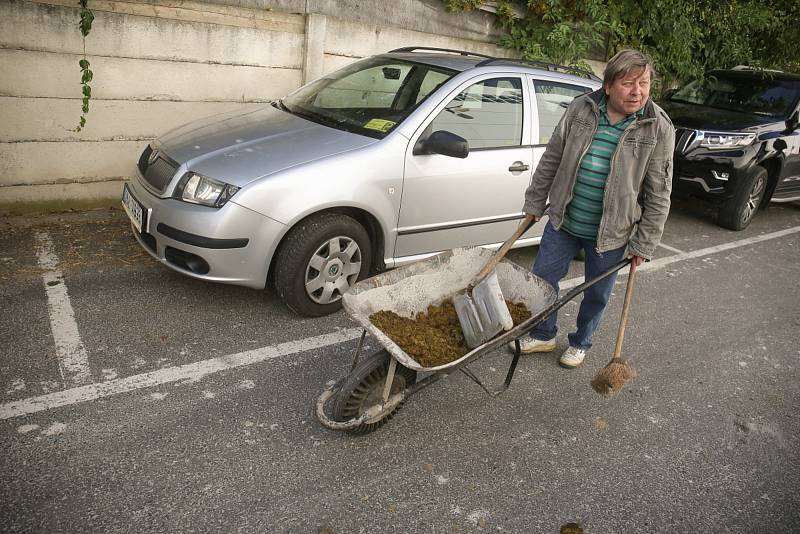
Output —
(133, 208)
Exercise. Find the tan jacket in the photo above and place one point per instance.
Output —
(637, 194)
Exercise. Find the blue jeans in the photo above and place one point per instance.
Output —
(556, 250)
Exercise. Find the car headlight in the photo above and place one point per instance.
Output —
(199, 189)
(726, 140)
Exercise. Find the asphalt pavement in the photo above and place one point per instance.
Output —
(134, 399)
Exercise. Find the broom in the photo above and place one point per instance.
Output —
(617, 372)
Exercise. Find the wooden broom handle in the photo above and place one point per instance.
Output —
(624, 319)
(526, 223)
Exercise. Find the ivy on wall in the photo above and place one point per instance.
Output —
(85, 25)
(684, 37)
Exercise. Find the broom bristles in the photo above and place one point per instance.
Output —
(612, 377)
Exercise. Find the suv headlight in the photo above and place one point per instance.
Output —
(199, 189)
(726, 140)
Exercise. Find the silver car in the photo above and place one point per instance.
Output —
(384, 162)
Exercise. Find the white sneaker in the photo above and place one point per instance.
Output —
(528, 345)
(572, 357)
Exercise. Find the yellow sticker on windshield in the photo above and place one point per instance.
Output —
(380, 124)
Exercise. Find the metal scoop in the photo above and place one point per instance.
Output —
(482, 311)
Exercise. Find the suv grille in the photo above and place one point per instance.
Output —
(157, 172)
(683, 139)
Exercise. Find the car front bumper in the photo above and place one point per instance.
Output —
(231, 244)
(712, 175)
(705, 178)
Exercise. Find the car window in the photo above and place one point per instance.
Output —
(552, 100)
(430, 83)
(487, 114)
(370, 97)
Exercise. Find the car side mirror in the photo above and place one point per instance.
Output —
(793, 122)
(444, 143)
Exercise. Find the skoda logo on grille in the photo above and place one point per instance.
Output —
(153, 157)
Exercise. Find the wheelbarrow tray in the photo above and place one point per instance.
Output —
(409, 290)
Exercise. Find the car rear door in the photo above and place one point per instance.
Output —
(449, 202)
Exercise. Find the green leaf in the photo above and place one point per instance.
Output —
(84, 63)
(86, 21)
(85, 108)
(87, 91)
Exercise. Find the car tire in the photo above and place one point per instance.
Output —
(737, 213)
(363, 388)
(318, 261)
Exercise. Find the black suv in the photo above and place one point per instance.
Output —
(737, 140)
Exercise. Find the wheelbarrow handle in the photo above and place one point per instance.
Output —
(534, 320)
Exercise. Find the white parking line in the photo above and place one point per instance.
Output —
(683, 256)
(73, 362)
(662, 262)
(204, 368)
(190, 371)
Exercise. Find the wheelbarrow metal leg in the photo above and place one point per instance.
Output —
(387, 387)
(509, 376)
(512, 369)
(358, 350)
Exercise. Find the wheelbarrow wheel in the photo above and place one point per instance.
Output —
(363, 388)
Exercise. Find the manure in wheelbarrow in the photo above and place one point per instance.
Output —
(433, 337)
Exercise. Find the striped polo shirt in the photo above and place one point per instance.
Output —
(583, 213)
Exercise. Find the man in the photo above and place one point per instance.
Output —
(607, 171)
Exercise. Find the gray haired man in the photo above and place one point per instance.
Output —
(607, 171)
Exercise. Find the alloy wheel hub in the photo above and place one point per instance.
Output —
(333, 268)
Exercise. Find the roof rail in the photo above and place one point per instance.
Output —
(577, 71)
(758, 69)
(488, 60)
(432, 49)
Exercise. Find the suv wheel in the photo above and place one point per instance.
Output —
(737, 213)
(319, 260)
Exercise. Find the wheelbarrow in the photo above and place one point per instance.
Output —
(378, 384)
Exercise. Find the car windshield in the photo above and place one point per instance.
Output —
(758, 95)
(370, 97)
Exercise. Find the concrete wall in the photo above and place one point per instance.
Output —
(160, 63)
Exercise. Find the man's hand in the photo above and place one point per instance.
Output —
(636, 261)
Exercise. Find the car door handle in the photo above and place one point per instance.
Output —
(518, 166)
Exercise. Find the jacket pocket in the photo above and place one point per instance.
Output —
(638, 147)
(582, 123)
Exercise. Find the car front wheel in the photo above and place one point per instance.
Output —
(737, 213)
(319, 260)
